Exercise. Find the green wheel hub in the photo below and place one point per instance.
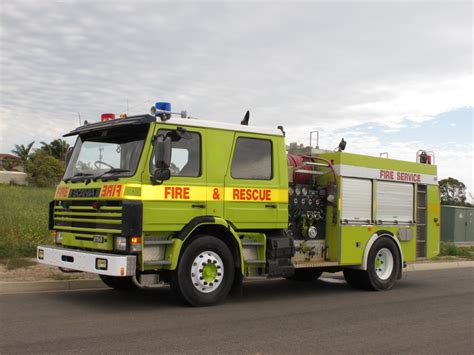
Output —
(384, 263)
(209, 272)
(378, 263)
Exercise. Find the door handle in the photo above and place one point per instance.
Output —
(200, 205)
(271, 206)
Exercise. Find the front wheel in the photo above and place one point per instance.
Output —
(205, 272)
(383, 266)
(119, 283)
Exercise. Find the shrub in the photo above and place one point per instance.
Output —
(44, 170)
(448, 249)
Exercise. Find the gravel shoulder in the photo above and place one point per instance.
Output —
(30, 270)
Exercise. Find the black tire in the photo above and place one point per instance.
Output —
(306, 274)
(119, 283)
(181, 281)
(354, 278)
(370, 279)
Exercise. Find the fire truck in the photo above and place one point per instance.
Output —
(201, 205)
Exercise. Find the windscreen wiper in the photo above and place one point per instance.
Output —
(77, 175)
(111, 171)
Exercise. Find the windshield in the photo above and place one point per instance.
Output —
(107, 153)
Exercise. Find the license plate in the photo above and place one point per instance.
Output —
(98, 239)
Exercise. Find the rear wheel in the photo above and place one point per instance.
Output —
(354, 278)
(306, 274)
(119, 283)
(205, 272)
(383, 266)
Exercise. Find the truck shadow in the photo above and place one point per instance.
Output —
(163, 297)
(281, 289)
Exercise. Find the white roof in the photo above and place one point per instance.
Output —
(221, 125)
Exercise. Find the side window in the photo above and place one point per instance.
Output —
(185, 156)
(252, 159)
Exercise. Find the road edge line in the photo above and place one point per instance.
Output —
(49, 285)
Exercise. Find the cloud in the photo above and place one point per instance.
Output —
(454, 156)
(323, 65)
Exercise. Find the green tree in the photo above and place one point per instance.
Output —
(57, 148)
(9, 164)
(452, 191)
(43, 169)
(23, 152)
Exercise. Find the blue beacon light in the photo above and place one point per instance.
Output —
(162, 110)
(163, 106)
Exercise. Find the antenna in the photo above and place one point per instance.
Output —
(245, 121)
(79, 118)
(101, 149)
(317, 138)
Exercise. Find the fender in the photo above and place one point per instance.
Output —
(200, 222)
(371, 241)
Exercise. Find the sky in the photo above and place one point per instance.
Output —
(387, 76)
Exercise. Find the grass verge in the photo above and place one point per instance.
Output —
(17, 263)
(23, 220)
(449, 249)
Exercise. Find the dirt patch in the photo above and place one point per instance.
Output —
(30, 270)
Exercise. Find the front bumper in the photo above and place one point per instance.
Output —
(115, 265)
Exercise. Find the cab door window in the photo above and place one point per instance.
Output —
(185, 156)
(252, 159)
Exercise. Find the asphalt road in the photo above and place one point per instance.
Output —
(427, 312)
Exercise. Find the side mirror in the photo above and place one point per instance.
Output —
(183, 133)
(162, 152)
(178, 134)
(68, 156)
(162, 159)
(161, 175)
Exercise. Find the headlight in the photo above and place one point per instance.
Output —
(101, 264)
(120, 243)
(58, 237)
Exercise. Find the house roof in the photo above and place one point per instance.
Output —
(8, 156)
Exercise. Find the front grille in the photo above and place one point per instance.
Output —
(82, 217)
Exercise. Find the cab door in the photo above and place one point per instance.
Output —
(252, 184)
(178, 200)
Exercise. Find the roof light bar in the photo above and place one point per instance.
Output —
(163, 110)
(107, 116)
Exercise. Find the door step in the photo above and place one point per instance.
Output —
(157, 242)
(157, 263)
(255, 261)
(254, 244)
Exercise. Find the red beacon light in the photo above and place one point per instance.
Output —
(107, 117)
(425, 157)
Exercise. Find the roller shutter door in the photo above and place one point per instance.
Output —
(356, 200)
(394, 202)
